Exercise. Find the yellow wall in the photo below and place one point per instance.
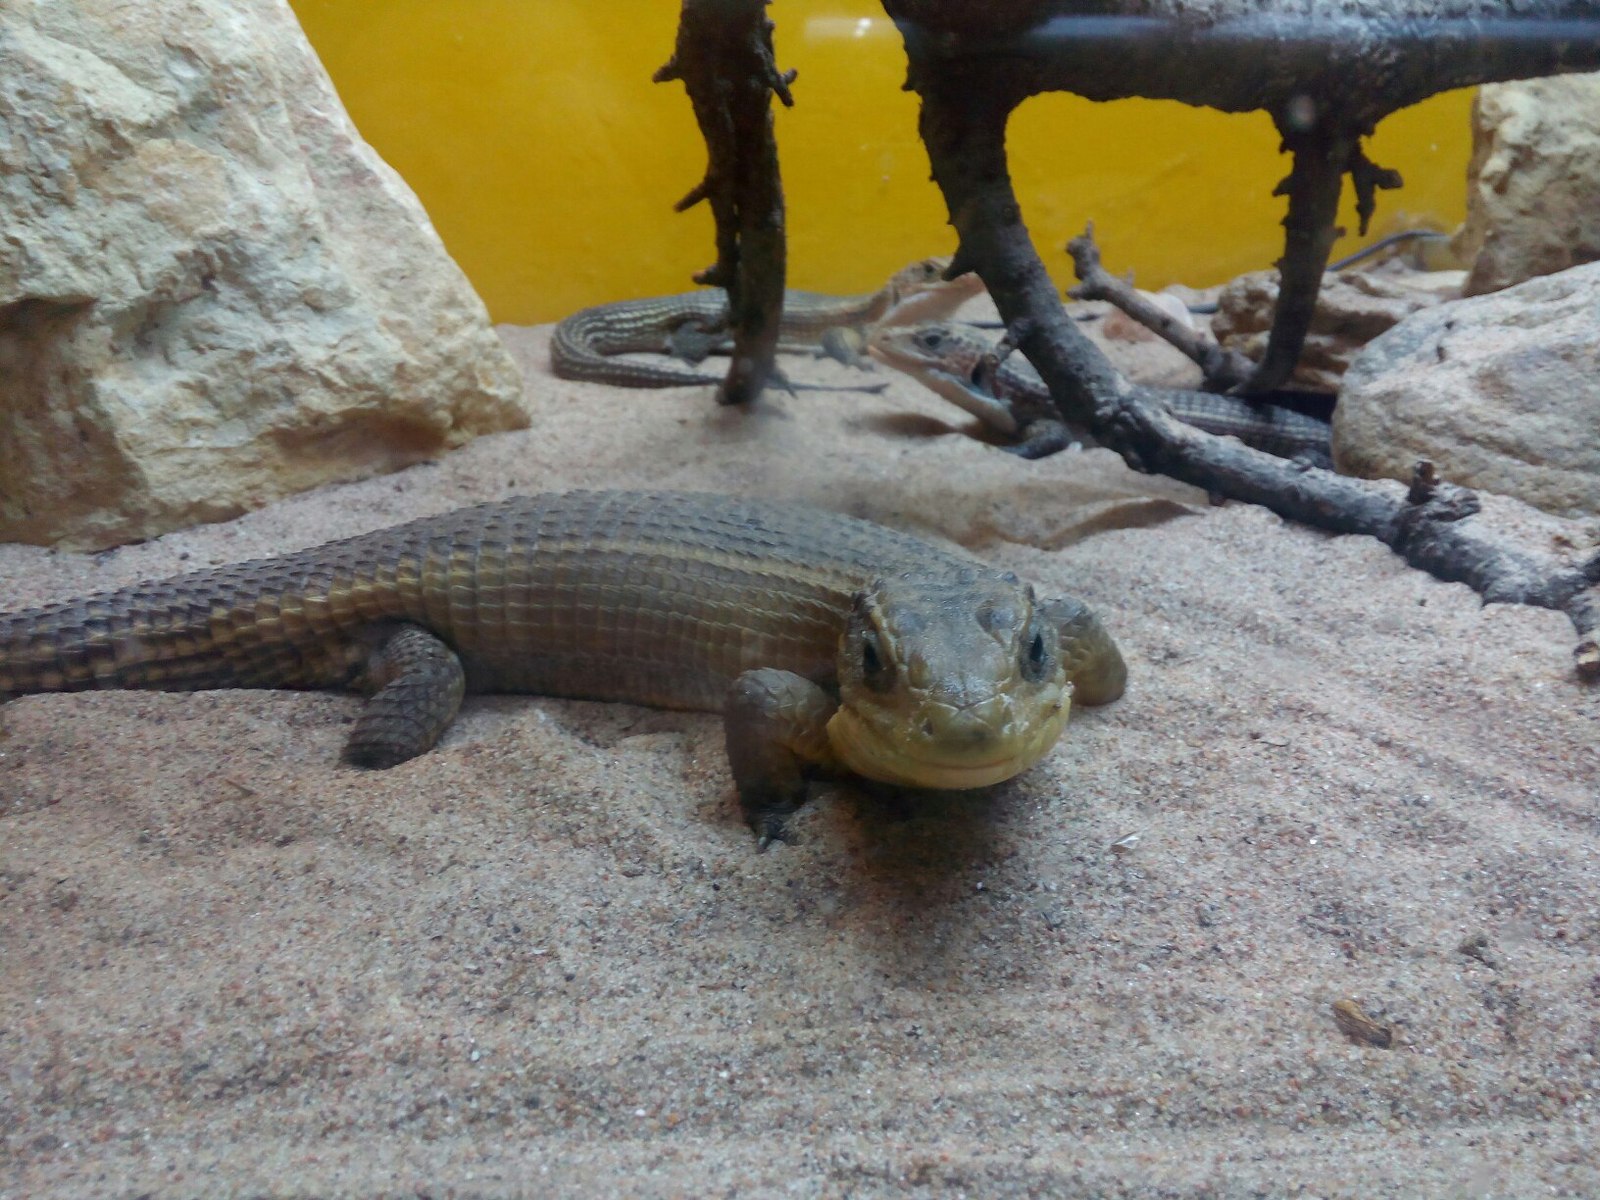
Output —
(549, 161)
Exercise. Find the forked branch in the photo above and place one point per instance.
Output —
(1222, 368)
(1434, 526)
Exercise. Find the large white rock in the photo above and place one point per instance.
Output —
(1533, 185)
(212, 291)
(1501, 392)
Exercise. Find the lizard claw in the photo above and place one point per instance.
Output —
(769, 828)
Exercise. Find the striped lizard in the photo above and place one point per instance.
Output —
(828, 643)
(1014, 401)
(588, 344)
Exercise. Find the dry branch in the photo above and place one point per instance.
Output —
(1435, 527)
(725, 59)
(1221, 367)
(1326, 70)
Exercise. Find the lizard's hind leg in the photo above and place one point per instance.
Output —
(416, 683)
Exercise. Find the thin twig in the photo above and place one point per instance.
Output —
(1222, 368)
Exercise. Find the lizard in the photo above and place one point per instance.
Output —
(692, 325)
(830, 644)
(955, 363)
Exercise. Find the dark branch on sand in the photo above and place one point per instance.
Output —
(725, 60)
(1434, 527)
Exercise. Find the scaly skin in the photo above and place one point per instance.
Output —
(944, 358)
(828, 642)
(692, 325)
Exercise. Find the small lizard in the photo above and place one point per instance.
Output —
(694, 325)
(828, 643)
(954, 363)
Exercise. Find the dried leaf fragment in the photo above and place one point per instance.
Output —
(1356, 1025)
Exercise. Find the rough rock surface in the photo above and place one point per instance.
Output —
(1499, 391)
(212, 291)
(1353, 308)
(1533, 185)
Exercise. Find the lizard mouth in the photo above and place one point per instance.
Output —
(937, 757)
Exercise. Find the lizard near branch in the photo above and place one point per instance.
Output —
(691, 326)
(1011, 399)
(830, 644)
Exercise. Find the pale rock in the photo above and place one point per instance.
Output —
(212, 291)
(1353, 307)
(1498, 391)
(1533, 184)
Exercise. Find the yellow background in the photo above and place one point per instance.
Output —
(549, 161)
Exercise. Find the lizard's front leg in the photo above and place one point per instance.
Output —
(1091, 658)
(777, 735)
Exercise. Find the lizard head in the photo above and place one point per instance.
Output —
(915, 348)
(920, 292)
(949, 361)
(954, 680)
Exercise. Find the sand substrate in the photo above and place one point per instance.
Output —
(547, 959)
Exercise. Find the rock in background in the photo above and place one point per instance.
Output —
(1533, 186)
(212, 291)
(1353, 307)
(1498, 391)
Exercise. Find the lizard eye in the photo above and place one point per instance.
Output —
(929, 339)
(874, 670)
(1035, 659)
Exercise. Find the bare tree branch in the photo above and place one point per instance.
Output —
(1327, 71)
(1222, 368)
(725, 60)
(1435, 527)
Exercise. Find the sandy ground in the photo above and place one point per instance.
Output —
(546, 958)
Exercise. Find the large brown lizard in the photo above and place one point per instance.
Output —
(829, 643)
